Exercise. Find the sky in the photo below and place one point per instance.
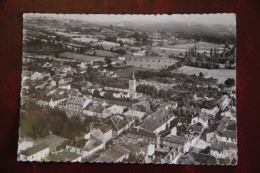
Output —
(198, 18)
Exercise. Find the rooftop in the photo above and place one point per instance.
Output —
(34, 149)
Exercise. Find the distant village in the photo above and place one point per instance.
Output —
(92, 93)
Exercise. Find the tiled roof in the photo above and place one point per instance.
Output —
(77, 144)
(113, 154)
(229, 134)
(76, 100)
(104, 128)
(195, 128)
(116, 123)
(141, 132)
(65, 156)
(203, 158)
(222, 145)
(131, 147)
(117, 86)
(157, 119)
(176, 139)
(173, 152)
(34, 149)
(93, 143)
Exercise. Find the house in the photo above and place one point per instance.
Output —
(135, 114)
(223, 102)
(121, 58)
(118, 125)
(48, 84)
(194, 129)
(94, 108)
(39, 76)
(198, 159)
(85, 147)
(24, 145)
(54, 99)
(114, 154)
(223, 130)
(115, 109)
(211, 113)
(65, 80)
(229, 136)
(221, 150)
(142, 105)
(26, 75)
(35, 153)
(158, 121)
(65, 156)
(134, 149)
(201, 119)
(180, 142)
(215, 132)
(102, 130)
(230, 114)
(138, 133)
(64, 86)
(75, 105)
(173, 156)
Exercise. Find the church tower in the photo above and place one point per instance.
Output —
(132, 86)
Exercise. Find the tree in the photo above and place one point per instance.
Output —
(108, 60)
(108, 96)
(121, 43)
(201, 75)
(96, 93)
(230, 82)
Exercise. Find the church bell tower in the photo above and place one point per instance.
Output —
(132, 86)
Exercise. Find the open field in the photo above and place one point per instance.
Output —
(126, 72)
(202, 47)
(220, 74)
(85, 39)
(69, 34)
(81, 56)
(100, 53)
(106, 44)
(52, 141)
(153, 62)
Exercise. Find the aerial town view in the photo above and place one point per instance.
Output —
(129, 88)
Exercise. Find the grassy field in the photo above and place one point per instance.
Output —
(85, 39)
(106, 44)
(220, 74)
(81, 56)
(69, 34)
(202, 47)
(126, 72)
(153, 62)
(100, 53)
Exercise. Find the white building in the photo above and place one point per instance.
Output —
(35, 153)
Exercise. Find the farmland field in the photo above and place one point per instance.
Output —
(126, 72)
(202, 47)
(106, 44)
(70, 35)
(85, 39)
(220, 74)
(81, 56)
(100, 53)
(153, 62)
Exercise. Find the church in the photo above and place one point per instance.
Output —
(123, 91)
